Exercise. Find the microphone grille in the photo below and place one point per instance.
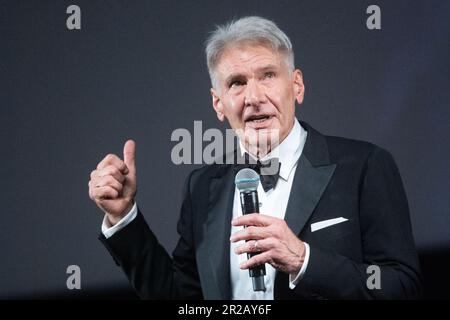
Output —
(246, 180)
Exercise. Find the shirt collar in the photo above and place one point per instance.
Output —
(288, 151)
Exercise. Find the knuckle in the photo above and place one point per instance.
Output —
(106, 160)
(107, 171)
(276, 231)
(113, 170)
(120, 177)
(250, 231)
(95, 195)
(116, 185)
(106, 192)
(97, 182)
(100, 191)
(271, 242)
(108, 180)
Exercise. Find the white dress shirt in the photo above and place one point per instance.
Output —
(273, 203)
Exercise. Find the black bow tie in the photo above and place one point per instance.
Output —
(268, 170)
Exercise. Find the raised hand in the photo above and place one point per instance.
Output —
(113, 184)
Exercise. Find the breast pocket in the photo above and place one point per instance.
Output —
(333, 228)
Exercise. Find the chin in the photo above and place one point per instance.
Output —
(261, 141)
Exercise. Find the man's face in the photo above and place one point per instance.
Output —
(256, 92)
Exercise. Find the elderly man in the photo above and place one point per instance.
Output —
(336, 213)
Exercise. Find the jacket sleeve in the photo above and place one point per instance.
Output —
(387, 242)
(148, 266)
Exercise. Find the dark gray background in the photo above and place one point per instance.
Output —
(136, 70)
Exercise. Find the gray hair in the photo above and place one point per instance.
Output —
(251, 30)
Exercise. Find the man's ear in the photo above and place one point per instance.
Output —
(299, 87)
(217, 105)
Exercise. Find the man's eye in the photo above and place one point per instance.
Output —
(269, 75)
(236, 84)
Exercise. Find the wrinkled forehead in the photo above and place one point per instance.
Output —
(248, 59)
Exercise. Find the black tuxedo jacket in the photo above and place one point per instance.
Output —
(335, 177)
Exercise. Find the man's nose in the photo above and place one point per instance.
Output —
(254, 94)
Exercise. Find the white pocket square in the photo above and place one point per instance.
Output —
(326, 223)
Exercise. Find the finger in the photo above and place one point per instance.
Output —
(250, 247)
(90, 190)
(250, 233)
(109, 181)
(110, 171)
(105, 192)
(257, 260)
(253, 219)
(129, 155)
(112, 159)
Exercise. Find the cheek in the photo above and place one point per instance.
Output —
(235, 107)
(283, 99)
(279, 99)
(233, 104)
(276, 98)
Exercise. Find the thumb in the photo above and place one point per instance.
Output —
(129, 155)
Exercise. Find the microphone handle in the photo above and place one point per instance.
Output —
(250, 204)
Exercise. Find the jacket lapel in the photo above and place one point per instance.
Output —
(307, 188)
(312, 176)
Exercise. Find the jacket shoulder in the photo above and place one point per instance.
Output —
(341, 149)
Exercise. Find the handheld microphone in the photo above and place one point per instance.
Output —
(247, 181)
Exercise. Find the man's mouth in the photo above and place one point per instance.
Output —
(258, 118)
(259, 121)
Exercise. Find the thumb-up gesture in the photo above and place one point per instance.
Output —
(113, 184)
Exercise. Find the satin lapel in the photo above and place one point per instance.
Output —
(307, 188)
